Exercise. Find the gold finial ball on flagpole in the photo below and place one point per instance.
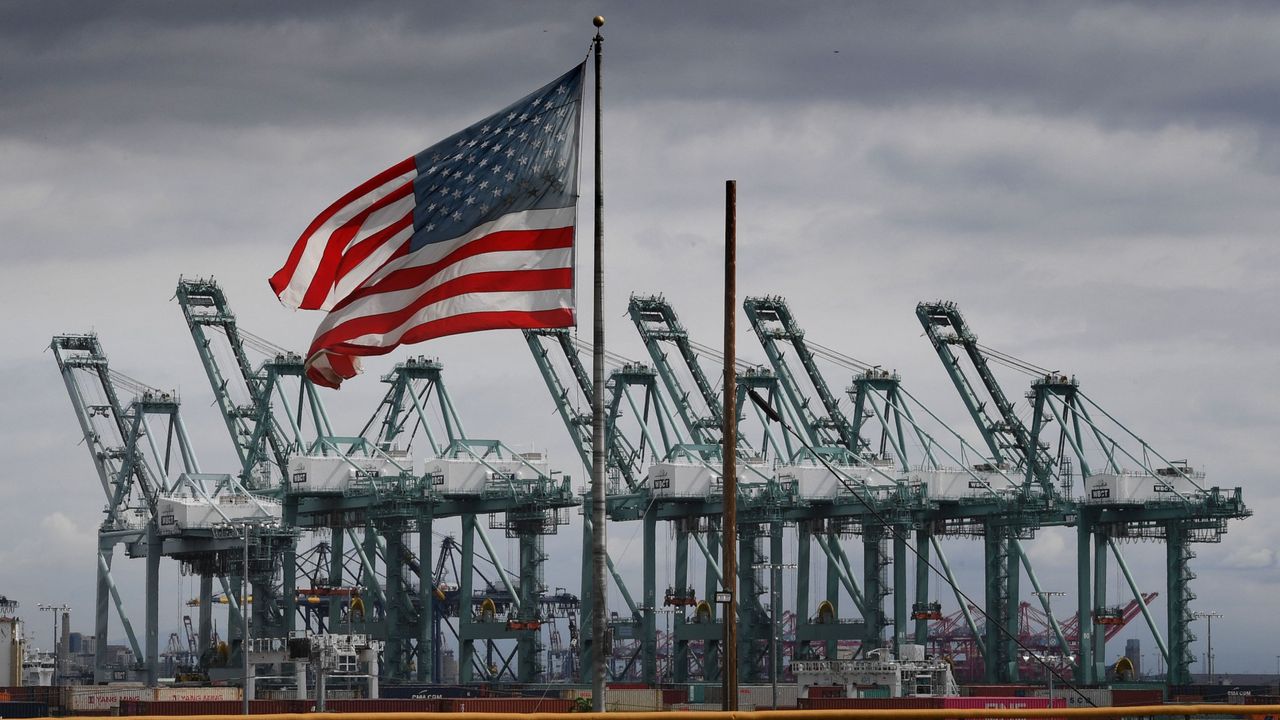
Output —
(598, 21)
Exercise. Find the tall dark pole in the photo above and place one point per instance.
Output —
(599, 653)
(729, 537)
(244, 625)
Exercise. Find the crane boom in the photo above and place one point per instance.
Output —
(1003, 431)
(776, 328)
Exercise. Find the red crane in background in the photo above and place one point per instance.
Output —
(950, 638)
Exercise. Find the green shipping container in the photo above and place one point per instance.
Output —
(874, 692)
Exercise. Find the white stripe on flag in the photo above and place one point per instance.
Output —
(520, 301)
(437, 251)
(383, 217)
(500, 261)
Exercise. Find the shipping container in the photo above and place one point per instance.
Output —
(995, 690)
(50, 695)
(517, 705)
(825, 691)
(79, 699)
(382, 705)
(539, 690)
(197, 694)
(761, 696)
(1128, 697)
(750, 694)
(636, 697)
(906, 703)
(216, 707)
(19, 709)
(871, 691)
(675, 696)
(428, 692)
(339, 694)
(1001, 703)
(1219, 693)
(633, 700)
(696, 707)
(1079, 697)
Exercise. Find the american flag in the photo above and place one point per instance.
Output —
(473, 233)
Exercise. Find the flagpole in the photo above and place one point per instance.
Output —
(599, 652)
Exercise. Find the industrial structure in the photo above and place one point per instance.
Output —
(12, 642)
(336, 531)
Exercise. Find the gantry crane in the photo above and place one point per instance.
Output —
(1172, 503)
(652, 435)
(468, 477)
(837, 437)
(272, 413)
(763, 503)
(1129, 491)
(159, 503)
(977, 495)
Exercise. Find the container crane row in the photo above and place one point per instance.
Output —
(398, 529)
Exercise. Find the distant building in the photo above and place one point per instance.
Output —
(449, 669)
(12, 643)
(119, 656)
(1133, 651)
(12, 651)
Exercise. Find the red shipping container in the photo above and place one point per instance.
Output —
(675, 696)
(217, 707)
(826, 691)
(50, 695)
(1132, 697)
(517, 705)
(383, 705)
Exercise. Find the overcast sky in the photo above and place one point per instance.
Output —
(1095, 184)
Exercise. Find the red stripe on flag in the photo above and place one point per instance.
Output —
(352, 258)
(344, 366)
(326, 274)
(281, 279)
(505, 241)
(498, 281)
